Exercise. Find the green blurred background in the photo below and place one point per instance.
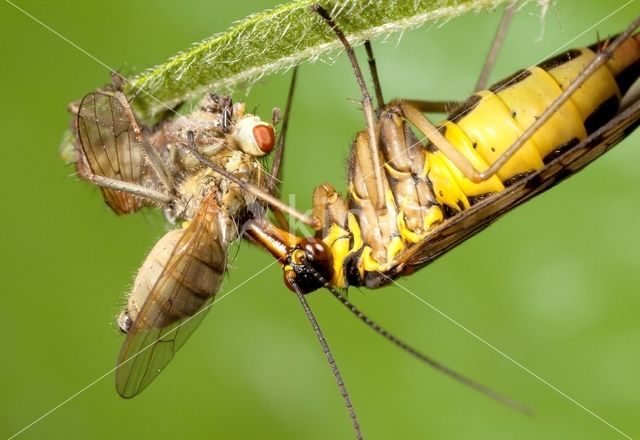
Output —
(554, 284)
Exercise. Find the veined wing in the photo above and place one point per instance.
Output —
(109, 147)
(174, 299)
(467, 223)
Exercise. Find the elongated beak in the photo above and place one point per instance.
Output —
(278, 242)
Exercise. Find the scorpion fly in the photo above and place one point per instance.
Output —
(203, 169)
(411, 200)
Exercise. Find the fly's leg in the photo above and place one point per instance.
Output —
(131, 188)
(464, 165)
(110, 153)
(274, 179)
(252, 189)
(152, 155)
(154, 159)
(373, 169)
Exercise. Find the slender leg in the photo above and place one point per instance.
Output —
(374, 74)
(259, 193)
(278, 159)
(152, 155)
(463, 164)
(496, 45)
(275, 114)
(131, 188)
(375, 187)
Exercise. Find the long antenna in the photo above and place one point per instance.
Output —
(458, 377)
(331, 360)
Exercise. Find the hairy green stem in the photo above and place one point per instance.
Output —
(278, 39)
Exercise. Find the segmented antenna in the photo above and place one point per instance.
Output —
(330, 359)
(458, 377)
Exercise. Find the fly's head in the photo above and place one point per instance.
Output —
(254, 136)
(248, 132)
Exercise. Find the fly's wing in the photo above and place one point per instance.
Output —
(467, 223)
(177, 302)
(108, 147)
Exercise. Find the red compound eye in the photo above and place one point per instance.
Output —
(265, 137)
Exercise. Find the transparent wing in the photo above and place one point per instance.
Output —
(109, 147)
(462, 226)
(177, 302)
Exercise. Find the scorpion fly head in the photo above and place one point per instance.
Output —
(308, 266)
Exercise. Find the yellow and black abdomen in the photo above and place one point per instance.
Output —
(490, 121)
(423, 189)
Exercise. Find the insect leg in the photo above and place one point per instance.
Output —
(154, 159)
(274, 179)
(374, 74)
(252, 189)
(496, 45)
(464, 165)
(131, 188)
(373, 169)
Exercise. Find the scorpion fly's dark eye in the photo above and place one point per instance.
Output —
(310, 266)
(317, 253)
